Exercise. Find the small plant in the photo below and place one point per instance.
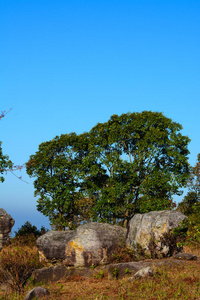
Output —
(123, 254)
(100, 275)
(127, 271)
(115, 273)
(93, 267)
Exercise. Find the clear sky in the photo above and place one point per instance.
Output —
(66, 65)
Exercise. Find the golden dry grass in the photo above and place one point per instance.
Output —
(177, 282)
(195, 249)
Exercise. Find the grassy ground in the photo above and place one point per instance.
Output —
(178, 282)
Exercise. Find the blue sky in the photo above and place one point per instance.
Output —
(67, 65)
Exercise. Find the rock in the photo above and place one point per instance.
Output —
(149, 230)
(130, 268)
(90, 244)
(6, 224)
(55, 273)
(52, 244)
(49, 274)
(144, 272)
(37, 292)
(185, 256)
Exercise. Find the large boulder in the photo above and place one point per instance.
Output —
(152, 232)
(6, 224)
(90, 244)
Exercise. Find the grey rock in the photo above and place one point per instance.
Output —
(55, 273)
(52, 244)
(49, 274)
(37, 292)
(145, 228)
(6, 224)
(90, 244)
(185, 256)
(144, 272)
(134, 267)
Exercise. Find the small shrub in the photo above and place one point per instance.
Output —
(127, 271)
(26, 235)
(100, 275)
(115, 273)
(26, 240)
(124, 254)
(93, 267)
(17, 265)
(188, 232)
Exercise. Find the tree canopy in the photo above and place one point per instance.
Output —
(190, 206)
(191, 202)
(134, 163)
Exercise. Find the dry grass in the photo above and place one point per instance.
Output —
(195, 249)
(179, 282)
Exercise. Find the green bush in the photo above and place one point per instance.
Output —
(28, 229)
(189, 230)
(26, 235)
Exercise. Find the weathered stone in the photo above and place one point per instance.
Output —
(49, 274)
(52, 274)
(144, 272)
(130, 268)
(90, 244)
(6, 224)
(37, 292)
(52, 244)
(147, 229)
(185, 256)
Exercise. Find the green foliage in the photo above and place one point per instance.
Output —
(127, 271)
(5, 163)
(190, 206)
(59, 168)
(133, 163)
(26, 235)
(29, 229)
(100, 275)
(115, 273)
(189, 229)
(17, 265)
(145, 159)
(93, 267)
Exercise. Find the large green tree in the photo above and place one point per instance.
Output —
(133, 163)
(144, 157)
(59, 169)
